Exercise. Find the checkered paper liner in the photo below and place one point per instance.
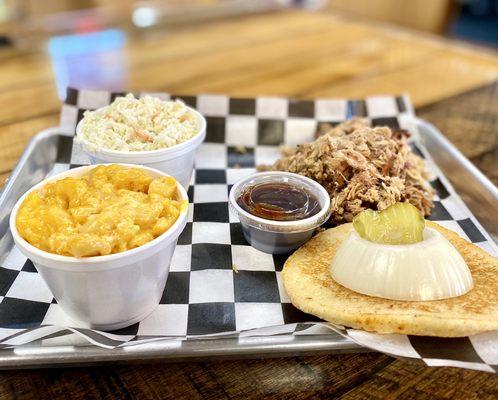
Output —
(204, 297)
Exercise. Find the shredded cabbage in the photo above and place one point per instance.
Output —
(131, 124)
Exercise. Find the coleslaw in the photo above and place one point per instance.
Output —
(131, 124)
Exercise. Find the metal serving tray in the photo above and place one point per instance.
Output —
(480, 195)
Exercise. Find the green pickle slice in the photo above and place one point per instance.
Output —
(401, 223)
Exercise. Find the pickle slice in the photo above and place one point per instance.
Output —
(401, 223)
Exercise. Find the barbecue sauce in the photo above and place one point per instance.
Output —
(278, 202)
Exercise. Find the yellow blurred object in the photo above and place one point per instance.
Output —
(430, 16)
(110, 210)
(37, 7)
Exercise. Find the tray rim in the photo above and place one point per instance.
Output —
(478, 175)
(43, 134)
(27, 356)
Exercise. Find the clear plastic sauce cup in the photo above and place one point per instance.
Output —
(279, 237)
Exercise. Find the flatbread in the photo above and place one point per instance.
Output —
(308, 282)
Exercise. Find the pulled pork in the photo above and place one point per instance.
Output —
(361, 167)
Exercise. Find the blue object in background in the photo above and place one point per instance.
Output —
(478, 22)
(92, 60)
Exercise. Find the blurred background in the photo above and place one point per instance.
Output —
(86, 38)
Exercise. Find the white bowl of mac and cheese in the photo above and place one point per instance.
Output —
(105, 254)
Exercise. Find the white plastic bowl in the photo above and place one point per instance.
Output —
(177, 160)
(106, 292)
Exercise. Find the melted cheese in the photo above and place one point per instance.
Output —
(110, 210)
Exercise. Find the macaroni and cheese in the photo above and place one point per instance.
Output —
(110, 210)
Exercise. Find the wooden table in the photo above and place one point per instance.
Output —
(295, 54)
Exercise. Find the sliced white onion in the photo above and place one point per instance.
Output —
(430, 270)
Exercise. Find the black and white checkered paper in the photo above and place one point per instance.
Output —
(218, 285)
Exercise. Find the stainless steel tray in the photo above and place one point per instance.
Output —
(475, 189)
(480, 195)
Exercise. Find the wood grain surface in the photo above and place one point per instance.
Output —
(470, 121)
(354, 376)
(296, 54)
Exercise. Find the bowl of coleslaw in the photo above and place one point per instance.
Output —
(159, 134)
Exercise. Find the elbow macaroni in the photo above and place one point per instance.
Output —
(110, 210)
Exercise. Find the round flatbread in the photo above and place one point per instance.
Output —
(308, 282)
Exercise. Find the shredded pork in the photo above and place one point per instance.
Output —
(361, 168)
